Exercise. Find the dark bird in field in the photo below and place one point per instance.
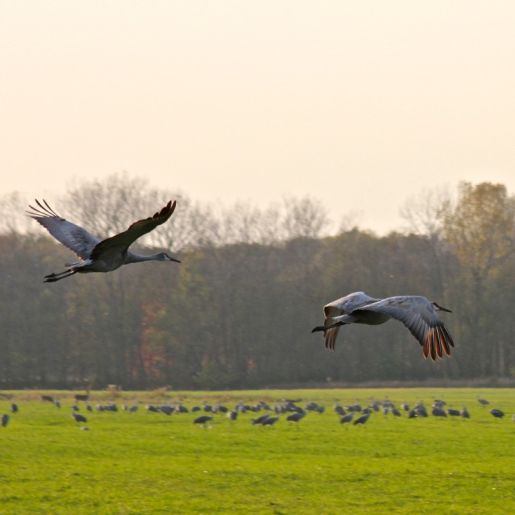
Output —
(75, 408)
(363, 419)
(497, 413)
(167, 410)
(99, 255)
(417, 313)
(232, 415)
(79, 418)
(14, 408)
(57, 403)
(339, 410)
(453, 412)
(405, 407)
(396, 412)
(195, 409)
(347, 418)
(48, 398)
(270, 421)
(81, 397)
(295, 417)
(412, 413)
(89, 407)
(439, 412)
(376, 406)
(203, 419)
(5, 420)
(483, 402)
(465, 413)
(260, 420)
(420, 410)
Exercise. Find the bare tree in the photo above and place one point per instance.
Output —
(304, 217)
(424, 213)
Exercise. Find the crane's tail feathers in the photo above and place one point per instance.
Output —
(437, 343)
(52, 278)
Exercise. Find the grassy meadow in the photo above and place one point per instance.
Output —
(132, 463)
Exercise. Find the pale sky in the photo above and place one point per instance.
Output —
(361, 104)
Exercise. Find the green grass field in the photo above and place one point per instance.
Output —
(151, 463)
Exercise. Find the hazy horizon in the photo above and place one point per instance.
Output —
(360, 105)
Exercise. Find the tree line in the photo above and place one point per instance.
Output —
(238, 311)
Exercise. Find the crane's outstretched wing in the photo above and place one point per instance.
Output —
(343, 306)
(126, 238)
(419, 316)
(70, 235)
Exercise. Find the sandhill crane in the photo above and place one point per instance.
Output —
(295, 417)
(439, 412)
(203, 419)
(347, 418)
(417, 313)
(362, 420)
(5, 420)
(99, 255)
(497, 413)
(270, 421)
(79, 418)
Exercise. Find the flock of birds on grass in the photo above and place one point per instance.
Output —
(266, 414)
(417, 313)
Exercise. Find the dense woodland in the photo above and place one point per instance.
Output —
(239, 310)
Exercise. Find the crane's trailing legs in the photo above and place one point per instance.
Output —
(52, 278)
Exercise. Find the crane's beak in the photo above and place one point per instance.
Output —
(172, 259)
(441, 308)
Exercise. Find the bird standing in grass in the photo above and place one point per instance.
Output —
(296, 417)
(99, 255)
(270, 421)
(363, 419)
(5, 420)
(417, 313)
(347, 418)
(79, 418)
(203, 419)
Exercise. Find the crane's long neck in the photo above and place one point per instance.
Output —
(138, 258)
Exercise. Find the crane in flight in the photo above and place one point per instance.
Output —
(99, 255)
(417, 313)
